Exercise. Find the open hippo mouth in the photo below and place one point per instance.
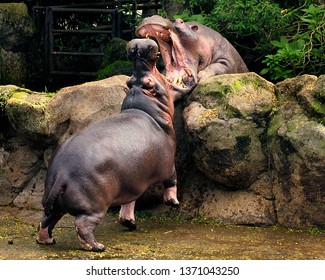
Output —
(178, 70)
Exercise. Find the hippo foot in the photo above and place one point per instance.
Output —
(130, 224)
(172, 202)
(95, 247)
(52, 242)
(43, 236)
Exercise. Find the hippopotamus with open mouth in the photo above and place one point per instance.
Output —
(191, 51)
(114, 161)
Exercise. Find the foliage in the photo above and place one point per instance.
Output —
(114, 50)
(304, 51)
(118, 67)
(115, 60)
(188, 17)
(248, 25)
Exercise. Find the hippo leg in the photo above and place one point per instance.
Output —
(126, 216)
(46, 225)
(170, 190)
(85, 226)
(170, 196)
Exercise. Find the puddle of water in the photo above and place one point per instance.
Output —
(162, 239)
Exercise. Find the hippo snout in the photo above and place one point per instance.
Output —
(142, 49)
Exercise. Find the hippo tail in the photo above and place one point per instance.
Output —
(57, 188)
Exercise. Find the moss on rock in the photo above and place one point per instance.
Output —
(236, 95)
(26, 112)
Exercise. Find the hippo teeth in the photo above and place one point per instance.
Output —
(178, 81)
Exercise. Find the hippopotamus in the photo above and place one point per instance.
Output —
(114, 161)
(191, 51)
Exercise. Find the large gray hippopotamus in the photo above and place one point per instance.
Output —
(191, 51)
(114, 161)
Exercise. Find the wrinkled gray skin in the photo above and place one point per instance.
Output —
(191, 51)
(114, 161)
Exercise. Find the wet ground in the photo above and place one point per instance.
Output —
(158, 237)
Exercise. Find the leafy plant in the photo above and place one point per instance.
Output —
(188, 17)
(304, 51)
(248, 24)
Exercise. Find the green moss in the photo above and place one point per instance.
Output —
(28, 98)
(20, 9)
(238, 85)
(26, 111)
(318, 107)
(274, 126)
(215, 89)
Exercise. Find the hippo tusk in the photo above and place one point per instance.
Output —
(188, 72)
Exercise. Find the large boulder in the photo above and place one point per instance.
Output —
(50, 118)
(226, 124)
(16, 26)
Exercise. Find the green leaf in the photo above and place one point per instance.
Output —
(277, 44)
(264, 71)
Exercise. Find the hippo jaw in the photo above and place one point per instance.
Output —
(180, 71)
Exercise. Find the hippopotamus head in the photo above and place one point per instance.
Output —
(149, 90)
(180, 71)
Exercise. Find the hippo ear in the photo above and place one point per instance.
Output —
(194, 28)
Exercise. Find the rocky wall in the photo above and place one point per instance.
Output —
(249, 152)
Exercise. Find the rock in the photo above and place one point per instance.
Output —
(26, 111)
(226, 124)
(73, 108)
(31, 196)
(13, 67)
(46, 118)
(297, 147)
(16, 33)
(19, 163)
(208, 199)
(16, 26)
(308, 91)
